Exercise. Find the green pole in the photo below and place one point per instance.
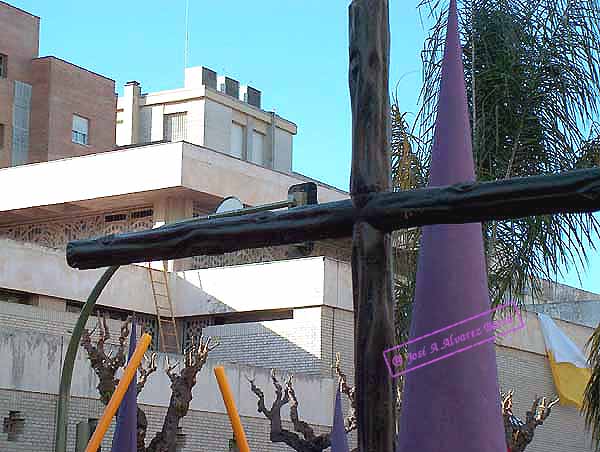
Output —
(64, 393)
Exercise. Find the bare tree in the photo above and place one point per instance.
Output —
(518, 433)
(307, 441)
(106, 365)
(181, 393)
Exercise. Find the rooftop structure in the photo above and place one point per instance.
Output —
(210, 111)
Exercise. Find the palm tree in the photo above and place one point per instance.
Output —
(532, 71)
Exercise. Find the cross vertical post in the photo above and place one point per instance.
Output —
(371, 247)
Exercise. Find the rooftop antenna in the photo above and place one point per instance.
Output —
(187, 35)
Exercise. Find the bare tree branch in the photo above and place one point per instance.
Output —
(309, 441)
(181, 392)
(147, 368)
(105, 366)
(518, 433)
(350, 422)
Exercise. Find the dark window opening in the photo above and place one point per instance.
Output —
(115, 217)
(2, 65)
(13, 425)
(256, 316)
(11, 296)
(142, 213)
(110, 313)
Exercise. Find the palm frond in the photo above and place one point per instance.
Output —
(591, 397)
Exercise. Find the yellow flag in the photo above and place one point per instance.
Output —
(568, 364)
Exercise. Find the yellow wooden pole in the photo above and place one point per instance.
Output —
(119, 393)
(234, 417)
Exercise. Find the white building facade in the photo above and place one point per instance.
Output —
(211, 111)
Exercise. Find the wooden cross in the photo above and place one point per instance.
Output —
(369, 216)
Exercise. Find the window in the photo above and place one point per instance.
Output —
(175, 127)
(13, 425)
(80, 130)
(8, 296)
(258, 148)
(20, 131)
(237, 140)
(2, 66)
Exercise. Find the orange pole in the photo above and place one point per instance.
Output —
(119, 393)
(234, 417)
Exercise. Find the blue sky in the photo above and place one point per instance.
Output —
(294, 51)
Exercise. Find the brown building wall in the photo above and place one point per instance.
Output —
(61, 90)
(40, 110)
(19, 38)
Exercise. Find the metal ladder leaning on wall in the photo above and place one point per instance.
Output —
(167, 327)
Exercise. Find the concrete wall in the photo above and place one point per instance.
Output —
(19, 39)
(37, 270)
(33, 342)
(553, 292)
(277, 285)
(531, 339)
(33, 363)
(204, 431)
(293, 344)
(581, 312)
(157, 167)
(252, 184)
(217, 126)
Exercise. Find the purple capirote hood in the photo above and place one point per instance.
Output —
(452, 405)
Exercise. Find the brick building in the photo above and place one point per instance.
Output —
(179, 154)
(49, 108)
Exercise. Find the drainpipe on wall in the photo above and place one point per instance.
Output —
(272, 133)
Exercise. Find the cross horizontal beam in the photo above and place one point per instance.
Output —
(571, 192)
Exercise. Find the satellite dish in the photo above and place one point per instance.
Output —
(229, 204)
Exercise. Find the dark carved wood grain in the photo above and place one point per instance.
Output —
(371, 249)
(571, 192)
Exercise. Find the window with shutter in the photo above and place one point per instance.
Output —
(20, 135)
(237, 140)
(175, 127)
(258, 148)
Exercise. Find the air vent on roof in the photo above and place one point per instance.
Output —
(229, 86)
(250, 95)
(209, 78)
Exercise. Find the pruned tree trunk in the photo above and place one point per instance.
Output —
(307, 441)
(519, 434)
(105, 367)
(181, 394)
